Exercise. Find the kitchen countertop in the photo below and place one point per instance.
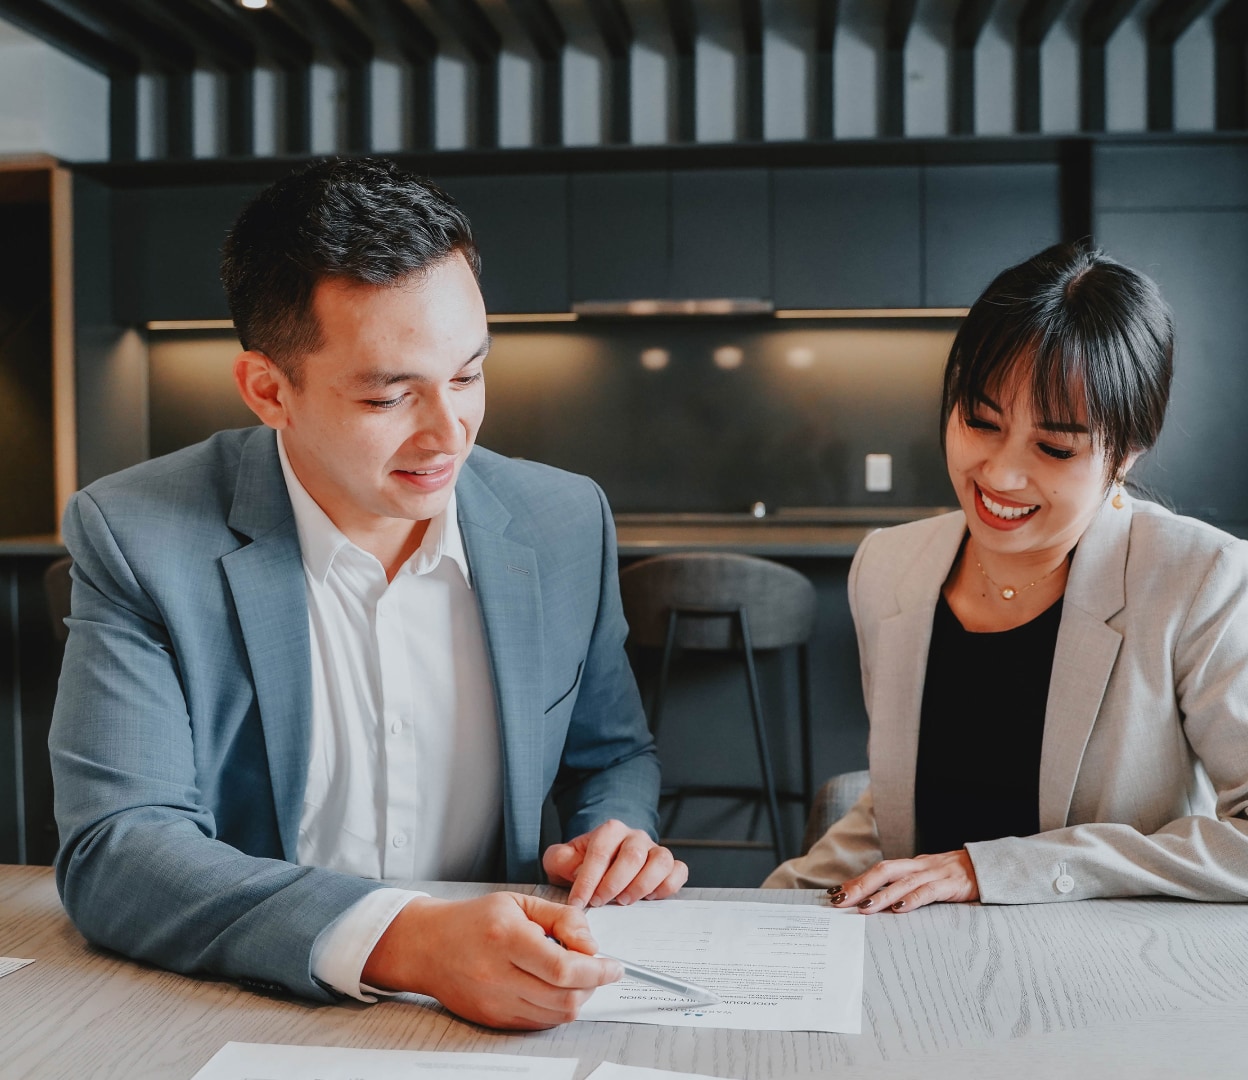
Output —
(789, 533)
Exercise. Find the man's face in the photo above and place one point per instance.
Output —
(390, 405)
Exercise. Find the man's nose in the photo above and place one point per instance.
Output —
(439, 425)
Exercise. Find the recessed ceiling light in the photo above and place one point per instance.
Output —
(254, 5)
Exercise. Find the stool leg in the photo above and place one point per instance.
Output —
(808, 765)
(760, 737)
(656, 705)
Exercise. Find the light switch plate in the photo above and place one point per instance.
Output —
(879, 472)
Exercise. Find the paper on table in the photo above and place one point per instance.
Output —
(775, 967)
(608, 1070)
(273, 1061)
(10, 964)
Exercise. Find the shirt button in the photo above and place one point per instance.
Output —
(399, 840)
(396, 726)
(1064, 884)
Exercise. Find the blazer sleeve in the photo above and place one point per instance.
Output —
(609, 768)
(1196, 857)
(140, 869)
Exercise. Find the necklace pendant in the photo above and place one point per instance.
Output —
(1007, 593)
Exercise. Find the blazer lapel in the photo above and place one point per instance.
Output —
(899, 665)
(508, 590)
(1084, 658)
(266, 582)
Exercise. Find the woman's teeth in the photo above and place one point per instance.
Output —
(1006, 513)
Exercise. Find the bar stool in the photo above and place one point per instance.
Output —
(727, 603)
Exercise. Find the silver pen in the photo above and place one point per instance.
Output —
(698, 994)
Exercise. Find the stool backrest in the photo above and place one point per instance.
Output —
(56, 587)
(779, 601)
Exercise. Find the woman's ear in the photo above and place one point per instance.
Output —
(263, 387)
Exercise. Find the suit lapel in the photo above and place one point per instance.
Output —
(1084, 658)
(508, 591)
(899, 669)
(266, 581)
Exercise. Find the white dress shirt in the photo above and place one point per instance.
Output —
(404, 774)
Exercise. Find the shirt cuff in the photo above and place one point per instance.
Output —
(344, 946)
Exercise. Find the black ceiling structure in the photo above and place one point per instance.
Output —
(170, 40)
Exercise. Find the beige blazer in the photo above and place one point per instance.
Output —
(1144, 762)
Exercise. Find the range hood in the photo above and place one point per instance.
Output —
(613, 309)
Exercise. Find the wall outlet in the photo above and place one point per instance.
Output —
(879, 472)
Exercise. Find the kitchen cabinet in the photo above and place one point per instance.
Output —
(689, 234)
(521, 227)
(979, 219)
(847, 237)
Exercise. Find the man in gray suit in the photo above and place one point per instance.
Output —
(347, 647)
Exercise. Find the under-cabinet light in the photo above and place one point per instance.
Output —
(191, 324)
(533, 317)
(873, 313)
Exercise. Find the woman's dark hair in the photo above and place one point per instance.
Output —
(1096, 336)
(363, 220)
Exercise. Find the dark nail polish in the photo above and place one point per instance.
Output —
(899, 905)
(839, 898)
(833, 890)
(867, 902)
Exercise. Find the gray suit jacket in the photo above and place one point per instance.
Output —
(180, 736)
(1144, 763)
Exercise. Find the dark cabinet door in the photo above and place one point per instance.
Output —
(521, 227)
(168, 250)
(980, 219)
(846, 237)
(621, 236)
(721, 234)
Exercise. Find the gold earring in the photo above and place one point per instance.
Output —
(1118, 501)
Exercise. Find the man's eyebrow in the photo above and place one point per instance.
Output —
(379, 379)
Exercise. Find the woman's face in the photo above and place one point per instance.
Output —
(1028, 485)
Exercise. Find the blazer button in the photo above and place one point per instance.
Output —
(1064, 884)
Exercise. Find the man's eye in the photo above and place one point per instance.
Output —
(468, 380)
(1059, 452)
(387, 403)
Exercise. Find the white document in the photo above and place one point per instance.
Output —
(272, 1061)
(774, 967)
(608, 1070)
(10, 964)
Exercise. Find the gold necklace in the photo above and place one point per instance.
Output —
(1008, 592)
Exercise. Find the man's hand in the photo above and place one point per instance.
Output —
(616, 863)
(906, 884)
(492, 960)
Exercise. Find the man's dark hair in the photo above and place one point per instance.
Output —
(363, 220)
(1093, 333)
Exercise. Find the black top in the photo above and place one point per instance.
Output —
(978, 771)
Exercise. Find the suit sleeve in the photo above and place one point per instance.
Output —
(1195, 857)
(140, 869)
(609, 767)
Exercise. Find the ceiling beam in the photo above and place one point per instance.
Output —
(481, 39)
(545, 33)
(1230, 66)
(825, 72)
(683, 25)
(752, 41)
(968, 23)
(67, 34)
(1165, 23)
(897, 21)
(1034, 24)
(1100, 20)
(617, 36)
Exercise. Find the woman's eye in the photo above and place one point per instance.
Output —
(1059, 452)
(980, 424)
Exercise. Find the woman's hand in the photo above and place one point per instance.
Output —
(905, 884)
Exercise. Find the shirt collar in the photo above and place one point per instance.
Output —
(320, 540)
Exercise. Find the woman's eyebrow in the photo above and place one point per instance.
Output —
(1058, 425)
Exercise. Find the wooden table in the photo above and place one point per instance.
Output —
(1101, 988)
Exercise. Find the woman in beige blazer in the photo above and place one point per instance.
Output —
(1056, 674)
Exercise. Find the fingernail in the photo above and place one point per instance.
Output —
(899, 905)
(867, 902)
(839, 898)
(833, 890)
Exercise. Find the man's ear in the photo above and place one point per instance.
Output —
(263, 387)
